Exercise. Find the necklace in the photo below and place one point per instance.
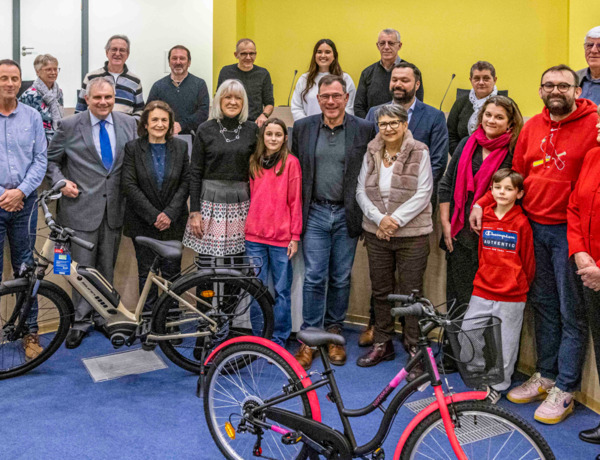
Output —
(387, 157)
(224, 130)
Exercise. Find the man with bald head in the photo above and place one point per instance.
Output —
(256, 81)
(87, 152)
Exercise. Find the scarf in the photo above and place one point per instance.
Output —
(269, 161)
(465, 183)
(477, 104)
(50, 97)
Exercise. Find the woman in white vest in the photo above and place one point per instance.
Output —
(394, 192)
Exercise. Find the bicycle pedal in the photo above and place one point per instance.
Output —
(378, 454)
(291, 438)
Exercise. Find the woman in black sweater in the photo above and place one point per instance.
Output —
(466, 180)
(219, 191)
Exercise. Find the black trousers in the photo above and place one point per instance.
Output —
(592, 306)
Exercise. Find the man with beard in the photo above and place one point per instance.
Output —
(185, 93)
(428, 125)
(549, 155)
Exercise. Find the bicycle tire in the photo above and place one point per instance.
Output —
(262, 376)
(232, 299)
(54, 320)
(484, 431)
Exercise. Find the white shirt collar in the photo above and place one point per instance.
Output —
(95, 120)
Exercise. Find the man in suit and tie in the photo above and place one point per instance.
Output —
(428, 125)
(331, 147)
(87, 151)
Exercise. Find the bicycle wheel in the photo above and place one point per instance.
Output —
(232, 389)
(238, 306)
(484, 431)
(53, 319)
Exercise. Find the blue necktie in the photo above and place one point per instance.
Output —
(105, 150)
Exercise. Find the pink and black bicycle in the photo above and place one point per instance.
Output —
(260, 403)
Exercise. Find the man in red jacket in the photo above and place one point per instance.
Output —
(549, 155)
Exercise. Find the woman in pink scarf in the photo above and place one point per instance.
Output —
(467, 179)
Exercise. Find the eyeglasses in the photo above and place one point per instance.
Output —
(391, 124)
(336, 97)
(119, 50)
(50, 70)
(562, 87)
(590, 46)
(388, 43)
(245, 55)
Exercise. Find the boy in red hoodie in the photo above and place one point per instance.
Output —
(506, 269)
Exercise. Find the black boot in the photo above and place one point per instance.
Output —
(592, 435)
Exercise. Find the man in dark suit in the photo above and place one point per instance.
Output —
(87, 151)
(330, 147)
(428, 125)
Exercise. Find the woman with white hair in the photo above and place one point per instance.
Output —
(219, 190)
(44, 95)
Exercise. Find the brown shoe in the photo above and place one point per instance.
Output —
(366, 337)
(379, 352)
(337, 354)
(305, 356)
(31, 343)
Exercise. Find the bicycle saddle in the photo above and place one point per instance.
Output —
(314, 337)
(166, 249)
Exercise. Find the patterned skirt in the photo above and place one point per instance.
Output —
(224, 208)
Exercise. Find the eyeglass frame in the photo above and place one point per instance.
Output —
(387, 42)
(548, 90)
(388, 124)
(590, 46)
(47, 70)
(337, 97)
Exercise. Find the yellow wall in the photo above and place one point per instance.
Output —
(520, 37)
(583, 15)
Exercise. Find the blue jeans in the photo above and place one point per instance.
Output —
(275, 263)
(328, 257)
(21, 238)
(560, 319)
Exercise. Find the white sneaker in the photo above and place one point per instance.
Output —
(534, 389)
(557, 406)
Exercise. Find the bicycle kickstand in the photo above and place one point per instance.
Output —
(200, 384)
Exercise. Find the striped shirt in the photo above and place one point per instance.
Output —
(129, 97)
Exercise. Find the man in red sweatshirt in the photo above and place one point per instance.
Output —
(549, 154)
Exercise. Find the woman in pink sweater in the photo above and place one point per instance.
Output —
(274, 221)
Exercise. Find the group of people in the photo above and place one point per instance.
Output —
(516, 203)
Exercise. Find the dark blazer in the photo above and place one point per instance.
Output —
(358, 134)
(72, 155)
(144, 201)
(427, 125)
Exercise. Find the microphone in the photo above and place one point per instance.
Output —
(451, 80)
(292, 87)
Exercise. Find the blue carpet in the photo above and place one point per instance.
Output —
(57, 412)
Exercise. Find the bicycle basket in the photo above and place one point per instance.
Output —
(477, 349)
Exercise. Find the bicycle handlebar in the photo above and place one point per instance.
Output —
(69, 234)
(416, 309)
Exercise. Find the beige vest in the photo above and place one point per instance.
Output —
(405, 178)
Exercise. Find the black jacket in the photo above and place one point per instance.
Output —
(358, 134)
(144, 201)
